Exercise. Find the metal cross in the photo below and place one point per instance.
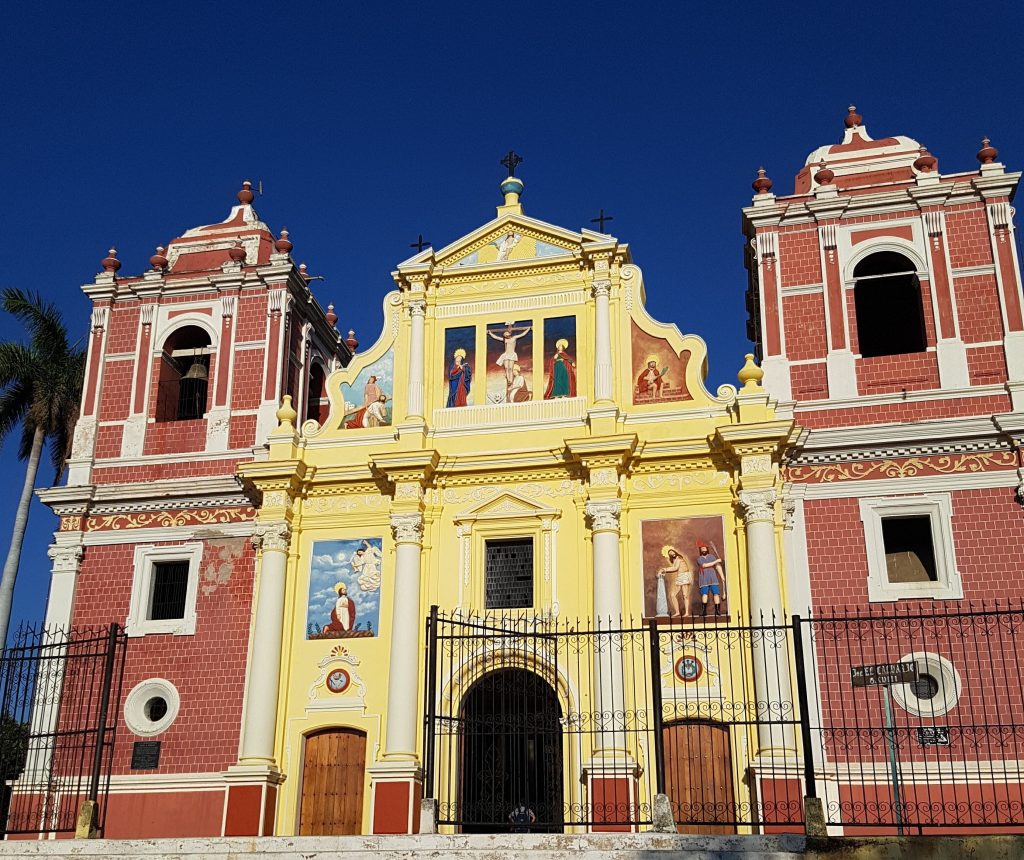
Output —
(600, 219)
(512, 161)
(420, 243)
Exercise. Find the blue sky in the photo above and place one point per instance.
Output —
(368, 124)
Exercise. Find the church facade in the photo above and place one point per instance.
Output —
(361, 556)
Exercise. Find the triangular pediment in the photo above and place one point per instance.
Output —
(511, 239)
(507, 505)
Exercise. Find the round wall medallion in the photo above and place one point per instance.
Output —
(689, 668)
(151, 707)
(937, 689)
(338, 680)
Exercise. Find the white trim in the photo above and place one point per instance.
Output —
(939, 509)
(138, 623)
(159, 783)
(924, 484)
(863, 400)
(160, 459)
(944, 672)
(803, 290)
(114, 537)
(135, 715)
(973, 271)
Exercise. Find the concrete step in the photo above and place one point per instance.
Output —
(619, 846)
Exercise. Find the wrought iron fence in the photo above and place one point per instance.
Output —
(940, 747)
(58, 691)
(901, 721)
(546, 724)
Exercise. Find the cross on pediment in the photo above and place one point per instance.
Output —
(420, 243)
(600, 219)
(512, 161)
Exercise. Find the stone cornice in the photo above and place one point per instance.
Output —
(398, 466)
(286, 476)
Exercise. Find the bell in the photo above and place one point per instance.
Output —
(197, 371)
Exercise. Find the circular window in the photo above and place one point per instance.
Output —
(151, 707)
(936, 691)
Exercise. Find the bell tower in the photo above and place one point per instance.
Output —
(880, 276)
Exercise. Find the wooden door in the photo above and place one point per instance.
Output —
(332, 783)
(698, 777)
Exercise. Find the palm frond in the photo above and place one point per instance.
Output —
(41, 318)
(28, 431)
(16, 362)
(14, 404)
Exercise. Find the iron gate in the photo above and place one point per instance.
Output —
(583, 723)
(58, 695)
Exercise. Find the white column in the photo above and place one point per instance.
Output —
(604, 523)
(417, 312)
(772, 658)
(264, 679)
(602, 342)
(403, 670)
(66, 560)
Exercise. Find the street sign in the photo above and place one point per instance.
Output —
(884, 674)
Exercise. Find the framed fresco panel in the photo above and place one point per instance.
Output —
(344, 589)
(684, 568)
(559, 357)
(509, 362)
(368, 399)
(459, 361)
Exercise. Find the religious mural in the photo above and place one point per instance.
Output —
(459, 358)
(368, 399)
(659, 374)
(344, 589)
(559, 357)
(509, 362)
(684, 568)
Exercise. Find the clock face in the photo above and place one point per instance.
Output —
(688, 668)
(338, 681)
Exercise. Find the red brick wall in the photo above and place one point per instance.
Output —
(123, 327)
(208, 668)
(809, 381)
(804, 320)
(882, 374)
(967, 236)
(799, 256)
(977, 300)
(987, 365)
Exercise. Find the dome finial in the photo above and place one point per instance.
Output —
(110, 262)
(512, 185)
(283, 245)
(852, 119)
(988, 153)
(824, 174)
(245, 196)
(159, 260)
(750, 374)
(761, 185)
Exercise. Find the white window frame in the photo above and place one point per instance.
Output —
(137, 624)
(943, 671)
(938, 507)
(135, 716)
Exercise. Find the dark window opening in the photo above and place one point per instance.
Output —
(169, 587)
(508, 573)
(184, 376)
(156, 709)
(926, 686)
(316, 396)
(909, 554)
(887, 302)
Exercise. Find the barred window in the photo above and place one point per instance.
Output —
(170, 588)
(508, 573)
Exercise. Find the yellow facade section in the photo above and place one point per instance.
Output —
(574, 398)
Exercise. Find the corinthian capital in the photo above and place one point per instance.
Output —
(407, 528)
(604, 515)
(417, 307)
(758, 505)
(272, 536)
(65, 558)
(602, 287)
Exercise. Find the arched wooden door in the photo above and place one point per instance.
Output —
(333, 768)
(698, 777)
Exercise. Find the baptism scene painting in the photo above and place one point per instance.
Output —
(459, 357)
(344, 589)
(559, 357)
(509, 362)
(684, 569)
(659, 374)
(368, 399)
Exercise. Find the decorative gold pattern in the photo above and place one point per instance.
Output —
(909, 467)
(70, 524)
(168, 519)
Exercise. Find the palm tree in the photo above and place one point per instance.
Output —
(40, 390)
